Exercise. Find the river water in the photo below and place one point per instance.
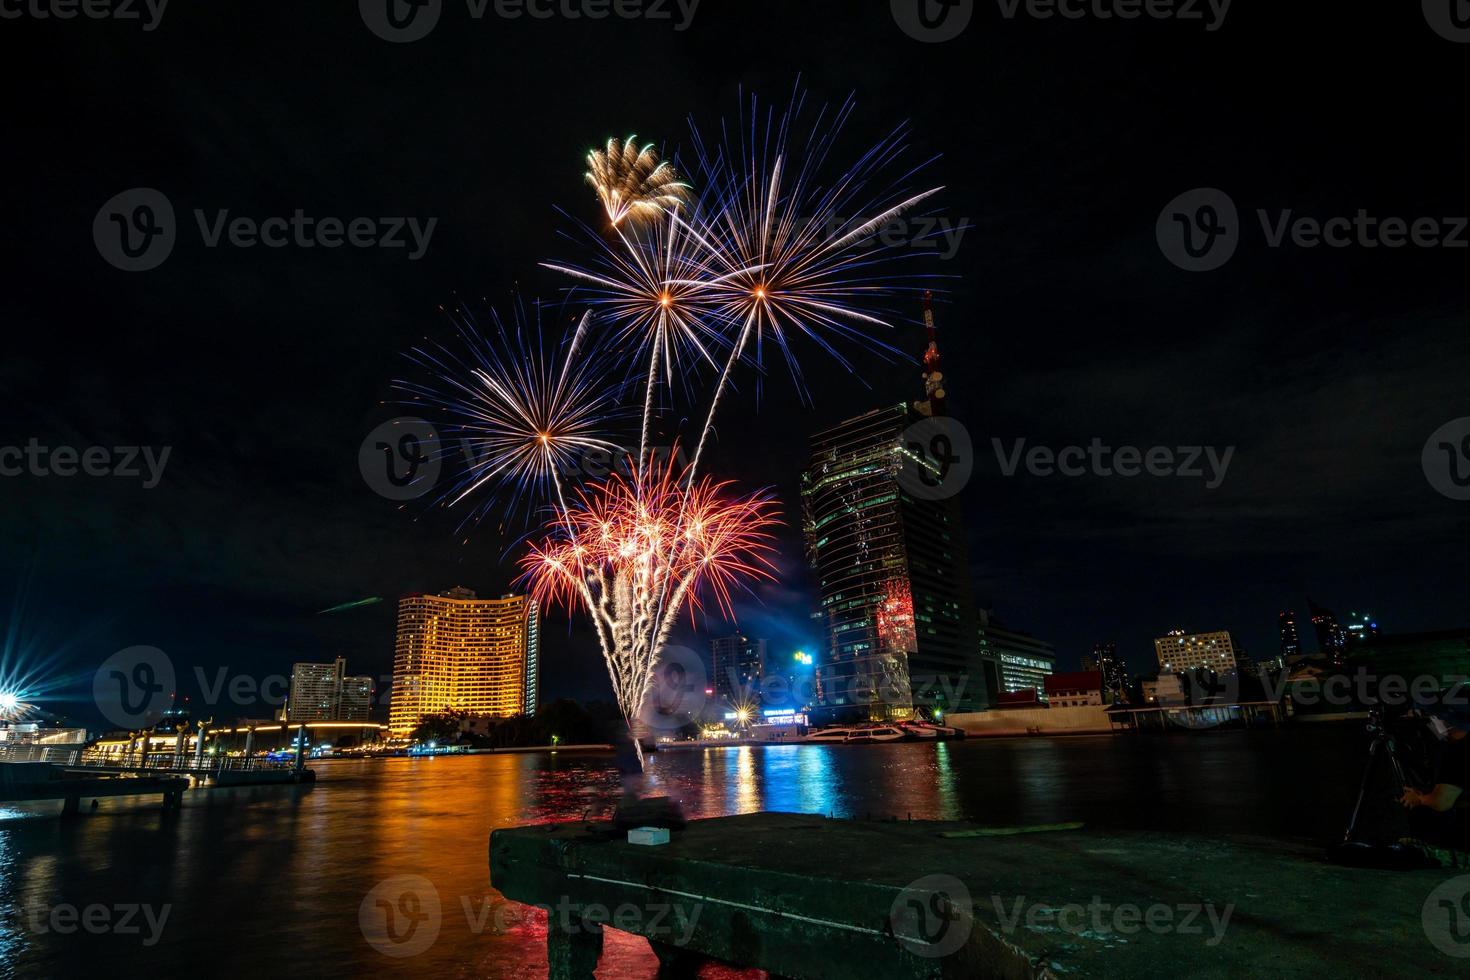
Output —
(272, 880)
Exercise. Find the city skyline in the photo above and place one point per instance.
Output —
(1070, 333)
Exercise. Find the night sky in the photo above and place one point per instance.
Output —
(1062, 141)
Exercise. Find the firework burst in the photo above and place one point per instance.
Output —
(632, 182)
(775, 250)
(522, 415)
(797, 255)
(634, 553)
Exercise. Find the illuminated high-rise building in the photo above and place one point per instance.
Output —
(1331, 637)
(1180, 651)
(891, 571)
(456, 651)
(737, 662)
(324, 692)
(1104, 660)
(1291, 639)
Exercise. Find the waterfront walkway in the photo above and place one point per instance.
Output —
(807, 897)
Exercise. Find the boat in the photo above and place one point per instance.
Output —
(879, 733)
(930, 731)
(882, 732)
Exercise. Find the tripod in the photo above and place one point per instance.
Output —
(1369, 854)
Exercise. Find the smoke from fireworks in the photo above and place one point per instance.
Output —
(631, 181)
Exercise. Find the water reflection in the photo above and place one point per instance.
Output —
(281, 872)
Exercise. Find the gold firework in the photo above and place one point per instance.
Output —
(631, 181)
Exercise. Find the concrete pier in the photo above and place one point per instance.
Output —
(806, 897)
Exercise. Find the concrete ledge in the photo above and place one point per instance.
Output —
(806, 897)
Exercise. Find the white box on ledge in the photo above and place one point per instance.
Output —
(648, 835)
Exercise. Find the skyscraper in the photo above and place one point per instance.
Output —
(1104, 660)
(1291, 640)
(891, 570)
(1331, 637)
(324, 692)
(737, 662)
(456, 651)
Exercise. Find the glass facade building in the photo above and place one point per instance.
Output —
(892, 575)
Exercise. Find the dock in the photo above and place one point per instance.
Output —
(811, 898)
(25, 782)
